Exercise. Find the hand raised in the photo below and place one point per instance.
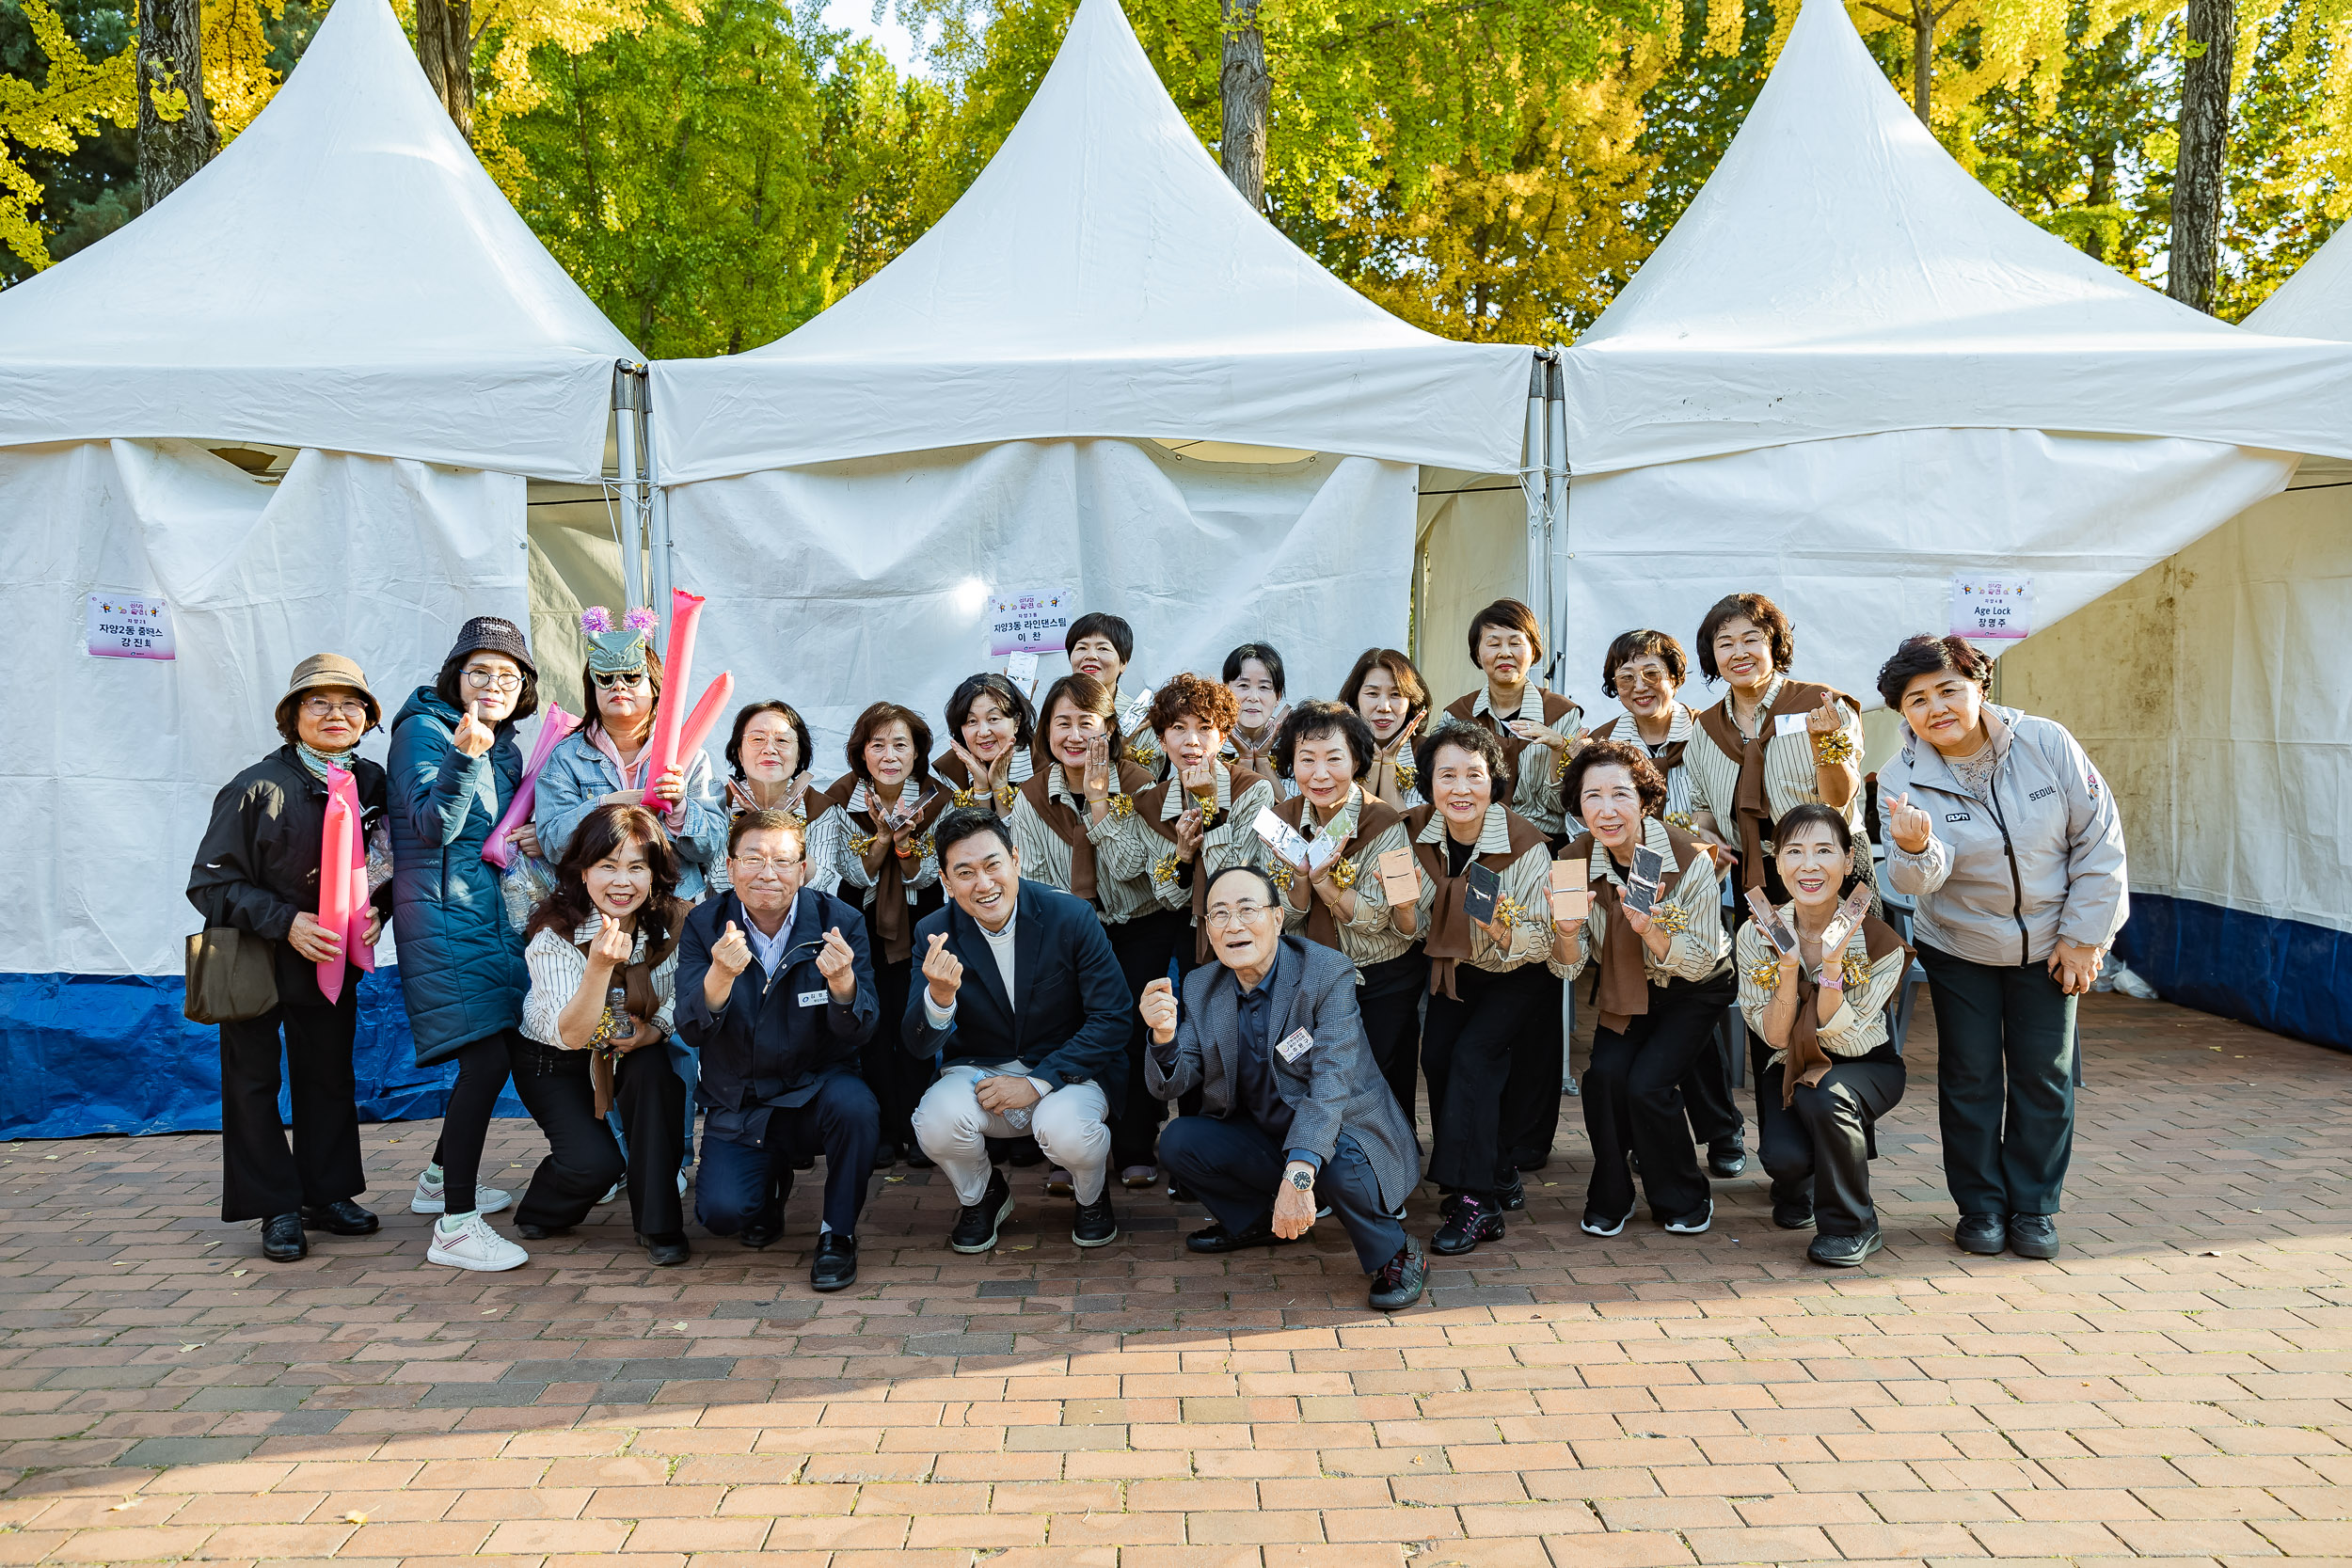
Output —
(1158, 1006)
(1825, 718)
(670, 786)
(837, 962)
(472, 736)
(612, 946)
(943, 971)
(1098, 766)
(732, 952)
(1188, 831)
(1907, 825)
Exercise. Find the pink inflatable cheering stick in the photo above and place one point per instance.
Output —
(552, 729)
(705, 717)
(677, 667)
(338, 841)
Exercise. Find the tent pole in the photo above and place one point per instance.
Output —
(628, 409)
(1532, 483)
(1555, 504)
(657, 507)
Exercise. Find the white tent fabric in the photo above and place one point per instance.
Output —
(838, 585)
(110, 777)
(1858, 538)
(344, 275)
(1100, 278)
(2317, 301)
(1839, 274)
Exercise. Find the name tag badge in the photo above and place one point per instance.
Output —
(1294, 1045)
(814, 998)
(1789, 724)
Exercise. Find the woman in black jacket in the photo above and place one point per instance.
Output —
(258, 870)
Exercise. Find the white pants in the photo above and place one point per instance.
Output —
(1070, 1125)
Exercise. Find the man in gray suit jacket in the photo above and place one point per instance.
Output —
(1294, 1112)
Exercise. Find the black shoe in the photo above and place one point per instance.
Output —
(1728, 1157)
(282, 1240)
(1401, 1279)
(1842, 1252)
(1597, 1224)
(1696, 1221)
(916, 1158)
(1793, 1216)
(342, 1217)
(2032, 1236)
(804, 1162)
(664, 1252)
(1218, 1239)
(1475, 1219)
(1025, 1153)
(1531, 1159)
(530, 1233)
(762, 1232)
(1096, 1224)
(975, 1223)
(885, 1155)
(835, 1267)
(1513, 1196)
(1985, 1235)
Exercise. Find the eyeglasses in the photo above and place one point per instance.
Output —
(319, 708)
(483, 679)
(760, 865)
(627, 677)
(1221, 916)
(1642, 675)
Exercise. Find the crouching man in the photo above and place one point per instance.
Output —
(1295, 1112)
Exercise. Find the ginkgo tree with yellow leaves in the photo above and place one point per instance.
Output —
(75, 97)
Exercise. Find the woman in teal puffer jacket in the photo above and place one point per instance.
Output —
(453, 770)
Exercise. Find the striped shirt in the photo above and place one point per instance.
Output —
(1789, 778)
(1856, 1029)
(1526, 883)
(1696, 952)
(1122, 849)
(556, 967)
(1372, 936)
(1683, 727)
(833, 844)
(1233, 842)
(1536, 794)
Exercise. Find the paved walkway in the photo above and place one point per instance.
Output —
(2176, 1386)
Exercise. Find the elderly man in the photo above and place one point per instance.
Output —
(776, 988)
(1294, 1111)
(1025, 999)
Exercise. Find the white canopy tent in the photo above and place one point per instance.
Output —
(343, 279)
(1850, 374)
(1100, 288)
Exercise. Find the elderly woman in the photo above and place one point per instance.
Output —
(1388, 693)
(1822, 1006)
(1253, 673)
(454, 769)
(1999, 826)
(603, 962)
(769, 758)
(1664, 981)
(1489, 992)
(1537, 729)
(1334, 895)
(1644, 670)
(1205, 813)
(1103, 645)
(1075, 828)
(871, 831)
(257, 871)
(990, 728)
(608, 756)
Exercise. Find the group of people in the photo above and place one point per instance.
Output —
(1040, 938)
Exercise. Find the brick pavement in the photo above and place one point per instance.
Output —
(2174, 1387)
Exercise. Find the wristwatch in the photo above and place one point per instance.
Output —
(1303, 1178)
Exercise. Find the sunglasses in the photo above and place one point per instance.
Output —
(630, 677)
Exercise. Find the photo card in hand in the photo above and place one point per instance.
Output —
(1847, 920)
(1280, 837)
(1400, 879)
(1571, 893)
(1645, 880)
(1775, 929)
(1481, 888)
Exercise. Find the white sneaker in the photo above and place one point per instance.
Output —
(428, 1198)
(681, 1183)
(614, 1190)
(474, 1245)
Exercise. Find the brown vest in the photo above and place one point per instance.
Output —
(1667, 760)
(1070, 827)
(1448, 940)
(1556, 708)
(893, 922)
(1150, 806)
(637, 982)
(1621, 981)
(1374, 817)
(952, 775)
(1807, 1062)
(1751, 805)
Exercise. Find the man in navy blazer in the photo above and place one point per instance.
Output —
(775, 987)
(1025, 999)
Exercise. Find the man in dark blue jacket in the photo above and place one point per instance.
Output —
(1025, 999)
(775, 987)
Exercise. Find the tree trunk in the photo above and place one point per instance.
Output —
(2204, 142)
(2102, 192)
(1246, 89)
(1923, 20)
(171, 55)
(445, 49)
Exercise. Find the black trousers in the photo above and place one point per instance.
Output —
(746, 1182)
(1235, 1166)
(1146, 946)
(1531, 1099)
(1466, 1046)
(1633, 1099)
(896, 1078)
(1707, 1100)
(1390, 1001)
(262, 1178)
(482, 1066)
(583, 1158)
(1817, 1149)
(2005, 1078)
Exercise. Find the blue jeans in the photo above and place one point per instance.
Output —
(744, 1182)
(1233, 1168)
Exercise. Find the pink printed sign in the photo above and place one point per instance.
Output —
(128, 625)
(1032, 623)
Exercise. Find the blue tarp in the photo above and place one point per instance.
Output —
(2284, 976)
(85, 1054)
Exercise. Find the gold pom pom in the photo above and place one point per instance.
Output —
(1206, 802)
(1857, 970)
(1343, 874)
(1407, 774)
(1669, 917)
(1509, 913)
(1765, 975)
(1279, 874)
(967, 799)
(1832, 748)
(1006, 795)
(1560, 766)
(1680, 819)
(860, 843)
(1168, 870)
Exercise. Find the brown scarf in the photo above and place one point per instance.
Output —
(1242, 782)
(1667, 760)
(1373, 818)
(1621, 985)
(1556, 708)
(1807, 1062)
(637, 982)
(1448, 943)
(1069, 825)
(893, 926)
(1751, 805)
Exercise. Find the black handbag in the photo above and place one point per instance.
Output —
(232, 977)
